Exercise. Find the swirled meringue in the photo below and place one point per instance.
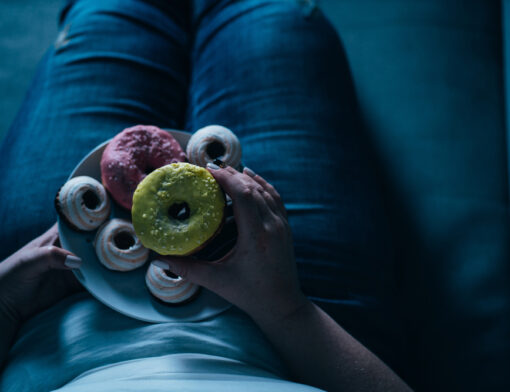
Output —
(214, 142)
(83, 203)
(172, 290)
(117, 246)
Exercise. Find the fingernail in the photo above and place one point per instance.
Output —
(249, 172)
(161, 264)
(72, 262)
(212, 166)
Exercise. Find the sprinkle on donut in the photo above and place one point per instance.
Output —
(134, 153)
(178, 209)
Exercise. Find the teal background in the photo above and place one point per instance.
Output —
(27, 28)
(429, 77)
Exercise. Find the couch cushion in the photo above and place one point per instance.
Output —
(429, 81)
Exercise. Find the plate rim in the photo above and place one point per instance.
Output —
(78, 274)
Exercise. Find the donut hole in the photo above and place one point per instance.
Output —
(215, 150)
(171, 275)
(123, 240)
(91, 200)
(179, 211)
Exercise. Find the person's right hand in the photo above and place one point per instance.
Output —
(259, 274)
(36, 277)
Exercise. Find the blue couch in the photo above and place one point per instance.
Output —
(430, 83)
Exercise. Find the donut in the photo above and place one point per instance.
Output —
(214, 142)
(134, 153)
(177, 209)
(169, 288)
(82, 202)
(117, 246)
(224, 241)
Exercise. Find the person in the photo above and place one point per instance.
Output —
(313, 257)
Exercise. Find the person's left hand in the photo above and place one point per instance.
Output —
(36, 277)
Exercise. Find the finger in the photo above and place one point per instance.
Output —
(56, 242)
(274, 194)
(266, 206)
(271, 203)
(263, 200)
(259, 199)
(269, 189)
(241, 192)
(49, 237)
(44, 239)
(267, 197)
(202, 273)
(50, 257)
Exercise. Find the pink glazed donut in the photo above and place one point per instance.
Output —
(134, 153)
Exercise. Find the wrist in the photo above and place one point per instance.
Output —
(9, 328)
(8, 316)
(8, 309)
(276, 312)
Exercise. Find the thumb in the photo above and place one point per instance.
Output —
(199, 272)
(50, 257)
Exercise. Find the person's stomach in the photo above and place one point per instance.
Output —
(80, 344)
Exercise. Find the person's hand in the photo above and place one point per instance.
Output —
(259, 274)
(36, 276)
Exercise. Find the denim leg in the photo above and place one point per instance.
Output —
(274, 71)
(115, 63)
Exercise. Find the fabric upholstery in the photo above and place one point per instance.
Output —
(429, 82)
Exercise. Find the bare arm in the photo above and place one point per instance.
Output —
(259, 276)
(8, 329)
(31, 280)
(321, 353)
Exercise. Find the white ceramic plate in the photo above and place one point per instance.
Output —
(126, 292)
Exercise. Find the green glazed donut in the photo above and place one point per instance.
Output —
(177, 209)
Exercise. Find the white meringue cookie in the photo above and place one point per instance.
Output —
(214, 142)
(118, 247)
(84, 203)
(168, 289)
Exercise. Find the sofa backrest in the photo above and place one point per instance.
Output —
(430, 83)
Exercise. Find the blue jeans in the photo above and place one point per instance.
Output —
(272, 71)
